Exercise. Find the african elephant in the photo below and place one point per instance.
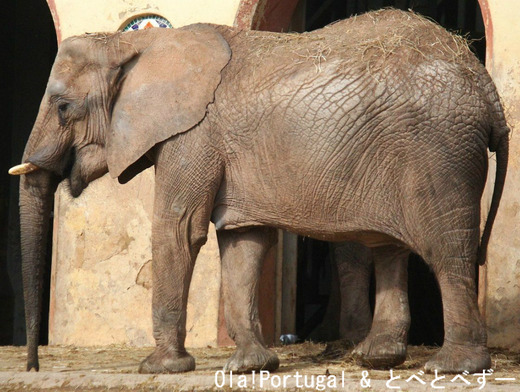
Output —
(375, 129)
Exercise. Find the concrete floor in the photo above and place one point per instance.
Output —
(115, 369)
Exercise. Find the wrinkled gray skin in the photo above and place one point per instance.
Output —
(374, 130)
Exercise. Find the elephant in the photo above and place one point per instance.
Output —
(375, 129)
(348, 316)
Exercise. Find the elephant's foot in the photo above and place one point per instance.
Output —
(456, 358)
(355, 335)
(245, 360)
(338, 348)
(380, 351)
(167, 362)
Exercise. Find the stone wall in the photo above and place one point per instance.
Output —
(101, 275)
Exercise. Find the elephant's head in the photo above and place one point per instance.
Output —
(109, 100)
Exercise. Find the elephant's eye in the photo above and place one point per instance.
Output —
(62, 108)
(62, 111)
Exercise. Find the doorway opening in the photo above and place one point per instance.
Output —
(313, 259)
(30, 47)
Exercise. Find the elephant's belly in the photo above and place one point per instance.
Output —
(313, 185)
(234, 217)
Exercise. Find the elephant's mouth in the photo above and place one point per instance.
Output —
(69, 164)
(76, 183)
(72, 173)
(76, 187)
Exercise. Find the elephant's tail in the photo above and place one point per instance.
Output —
(499, 143)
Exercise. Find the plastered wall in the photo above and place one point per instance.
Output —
(500, 278)
(79, 17)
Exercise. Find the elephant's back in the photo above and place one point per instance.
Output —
(377, 41)
(387, 55)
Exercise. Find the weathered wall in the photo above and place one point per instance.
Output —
(500, 278)
(78, 17)
(101, 275)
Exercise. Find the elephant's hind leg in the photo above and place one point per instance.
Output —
(465, 338)
(352, 268)
(452, 254)
(385, 345)
(348, 316)
(242, 254)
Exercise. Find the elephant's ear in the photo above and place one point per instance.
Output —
(165, 91)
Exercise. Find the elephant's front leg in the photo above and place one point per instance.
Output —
(354, 265)
(185, 187)
(173, 262)
(385, 345)
(242, 254)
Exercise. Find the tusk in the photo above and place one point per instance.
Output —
(24, 168)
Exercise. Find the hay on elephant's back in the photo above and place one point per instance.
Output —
(388, 38)
(376, 40)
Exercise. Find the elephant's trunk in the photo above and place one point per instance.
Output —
(36, 200)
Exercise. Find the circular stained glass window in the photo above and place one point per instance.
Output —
(147, 22)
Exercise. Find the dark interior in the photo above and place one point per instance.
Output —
(314, 269)
(29, 46)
